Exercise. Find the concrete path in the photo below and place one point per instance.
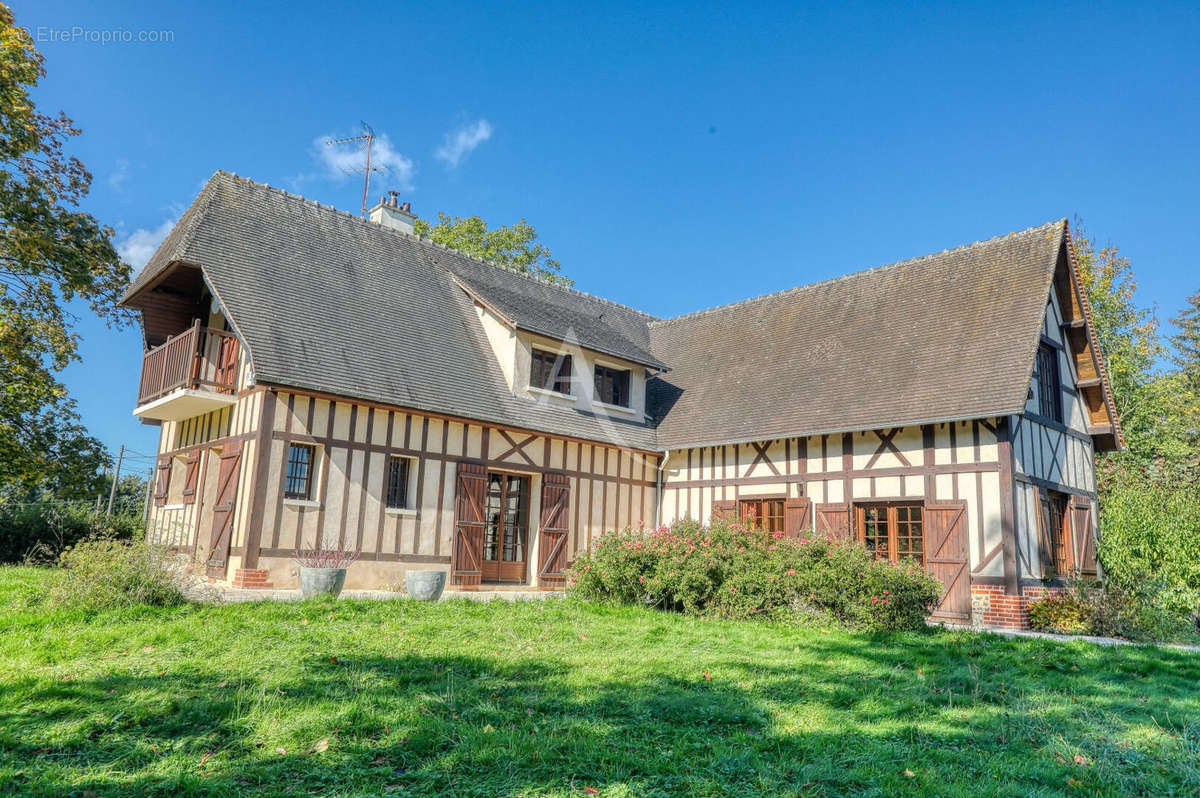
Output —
(1100, 641)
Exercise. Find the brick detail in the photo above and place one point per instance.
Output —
(991, 606)
(251, 578)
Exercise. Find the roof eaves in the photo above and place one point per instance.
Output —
(802, 433)
(1093, 343)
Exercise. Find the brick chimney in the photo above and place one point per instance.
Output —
(390, 212)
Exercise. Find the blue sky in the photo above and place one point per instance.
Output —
(674, 157)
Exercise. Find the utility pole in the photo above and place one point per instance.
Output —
(112, 493)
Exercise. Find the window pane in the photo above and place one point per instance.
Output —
(612, 386)
(397, 483)
(875, 531)
(491, 535)
(1054, 510)
(910, 537)
(1049, 383)
(551, 371)
(298, 481)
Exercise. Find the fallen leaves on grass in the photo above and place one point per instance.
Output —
(319, 746)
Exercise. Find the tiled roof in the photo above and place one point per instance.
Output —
(328, 302)
(945, 336)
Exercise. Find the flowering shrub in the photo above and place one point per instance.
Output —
(730, 571)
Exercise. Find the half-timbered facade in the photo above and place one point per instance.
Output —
(325, 380)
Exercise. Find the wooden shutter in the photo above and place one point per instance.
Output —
(1085, 541)
(833, 520)
(162, 481)
(945, 541)
(222, 528)
(554, 529)
(725, 510)
(795, 516)
(469, 496)
(190, 477)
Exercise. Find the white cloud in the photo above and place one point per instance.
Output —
(341, 160)
(117, 178)
(460, 143)
(136, 248)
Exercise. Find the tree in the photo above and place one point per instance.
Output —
(1186, 357)
(51, 254)
(1148, 402)
(515, 247)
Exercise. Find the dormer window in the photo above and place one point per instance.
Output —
(551, 371)
(612, 386)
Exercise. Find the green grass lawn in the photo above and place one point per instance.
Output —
(563, 698)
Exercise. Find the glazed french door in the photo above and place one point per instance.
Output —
(506, 536)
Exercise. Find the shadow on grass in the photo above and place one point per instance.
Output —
(855, 719)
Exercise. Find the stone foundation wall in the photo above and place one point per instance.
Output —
(991, 606)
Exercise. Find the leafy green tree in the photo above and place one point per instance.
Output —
(51, 254)
(515, 247)
(1186, 357)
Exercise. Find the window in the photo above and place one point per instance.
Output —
(551, 371)
(1054, 536)
(762, 513)
(300, 467)
(892, 532)
(177, 480)
(397, 483)
(1049, 383)
(612, 386)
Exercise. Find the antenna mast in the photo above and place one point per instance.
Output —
(368, 136)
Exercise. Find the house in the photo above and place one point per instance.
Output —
(324, 378)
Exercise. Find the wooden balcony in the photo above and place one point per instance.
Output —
(191, 373)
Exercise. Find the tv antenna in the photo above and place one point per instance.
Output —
(367, 136)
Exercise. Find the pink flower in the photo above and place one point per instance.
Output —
(885, 601)
(874, 599)
(777, 535)
(791, 572)
(587, 568)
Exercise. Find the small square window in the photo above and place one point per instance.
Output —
(551, 371)
(612, 386)
(300, 467)
(397, 483)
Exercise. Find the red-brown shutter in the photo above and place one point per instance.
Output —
(189, 481)
(724, 510)
(833, 520)
(945, 541)
(555, 528)
(222, 523)
(162, 481)
(1085, 541)
(469, 496)
(795, 516)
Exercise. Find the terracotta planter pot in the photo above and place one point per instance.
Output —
(425, 585)
(319, 581)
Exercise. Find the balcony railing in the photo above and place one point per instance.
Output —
(199, 358)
